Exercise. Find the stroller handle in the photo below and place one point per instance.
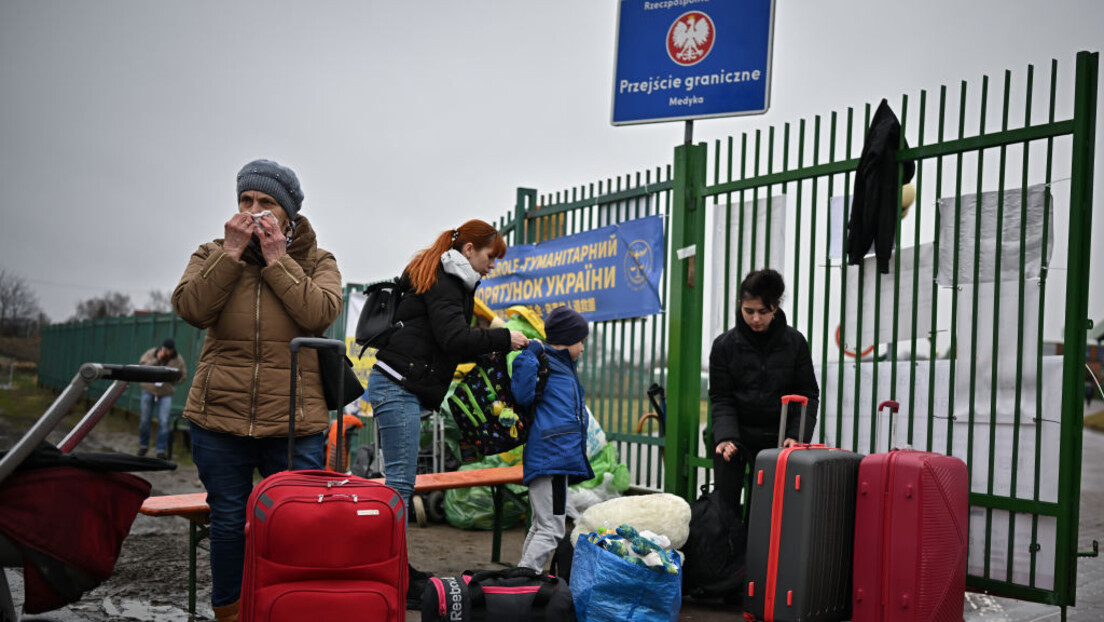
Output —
(130, 373)
(88, 373)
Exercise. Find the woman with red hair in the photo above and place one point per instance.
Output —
(414, 370)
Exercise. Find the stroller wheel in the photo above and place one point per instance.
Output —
(435, 506)
(419, 510)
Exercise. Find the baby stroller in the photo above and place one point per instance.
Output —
(64, 515)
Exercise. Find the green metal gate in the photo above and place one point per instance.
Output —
(970, 331)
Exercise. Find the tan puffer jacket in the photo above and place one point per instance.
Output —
(242, 380)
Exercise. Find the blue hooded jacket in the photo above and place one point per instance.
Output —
(557, 440)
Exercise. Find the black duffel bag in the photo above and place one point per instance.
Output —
(511, 595)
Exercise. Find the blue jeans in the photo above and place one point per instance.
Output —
(164, 409)
(226, 463)
(398, 416)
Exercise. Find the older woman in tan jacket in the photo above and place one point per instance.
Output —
(265, 283)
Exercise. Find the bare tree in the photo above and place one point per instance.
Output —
(159, 302)
(19, 310)
(111, 304)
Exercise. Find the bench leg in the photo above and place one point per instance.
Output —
(197, 534)
(501, 494)
(496, 541)
(193, 542)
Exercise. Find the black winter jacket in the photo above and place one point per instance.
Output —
(874, 217)
(746, 384)
(436, 336)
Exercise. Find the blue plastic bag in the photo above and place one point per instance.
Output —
(607, 588)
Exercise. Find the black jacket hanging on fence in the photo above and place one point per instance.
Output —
(874, 203)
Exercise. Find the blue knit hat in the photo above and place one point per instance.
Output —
(565, 327)
(277, 181)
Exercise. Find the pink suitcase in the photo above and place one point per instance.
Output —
(911, 519)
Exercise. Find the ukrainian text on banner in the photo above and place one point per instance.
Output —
(604, 274)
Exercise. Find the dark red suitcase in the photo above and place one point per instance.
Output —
(911, 520)
(800, 531)
(321, 545)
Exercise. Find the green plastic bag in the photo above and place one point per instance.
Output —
(608, 461)
(473, 508)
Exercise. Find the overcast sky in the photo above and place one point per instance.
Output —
(123, 123)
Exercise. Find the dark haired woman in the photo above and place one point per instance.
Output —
(750, 368)
(413, 371)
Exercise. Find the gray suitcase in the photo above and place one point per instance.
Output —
(800, 531)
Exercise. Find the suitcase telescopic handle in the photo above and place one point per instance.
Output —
(894, 408)
(316, 343)
(786, 400)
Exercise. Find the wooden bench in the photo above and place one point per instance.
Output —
(193, 506)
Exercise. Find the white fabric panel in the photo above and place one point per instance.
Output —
(1031, 218)
(883, 305)
(740, 252)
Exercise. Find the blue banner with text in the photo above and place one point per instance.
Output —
(605, 274)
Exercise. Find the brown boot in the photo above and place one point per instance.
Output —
(227, 613)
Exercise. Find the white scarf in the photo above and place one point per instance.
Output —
(456, 264)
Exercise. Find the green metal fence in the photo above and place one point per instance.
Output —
(117, 340)
(963, 331)
(960, 333)
(123, 340)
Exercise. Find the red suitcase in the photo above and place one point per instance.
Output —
(321, 545)
(911, 519)
(800, 531)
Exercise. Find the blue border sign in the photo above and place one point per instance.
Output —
(691, 59)
(605, 274)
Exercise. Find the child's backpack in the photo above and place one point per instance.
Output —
(483, 406)
(377, 317)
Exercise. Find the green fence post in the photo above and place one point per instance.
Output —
(526, 201)
(685, 316)
(1077, 309)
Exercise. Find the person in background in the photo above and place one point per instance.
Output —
(158, 396)
(751, 367)
(413, 371)
(555, 453)
(263, 284)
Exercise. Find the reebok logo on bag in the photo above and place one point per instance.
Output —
(452, 597)
(377, 318)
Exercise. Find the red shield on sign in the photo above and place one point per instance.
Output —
(690, 38)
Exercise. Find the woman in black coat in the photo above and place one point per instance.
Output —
(413, 371)
(750, 368)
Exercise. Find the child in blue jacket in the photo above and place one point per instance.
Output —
(555, 453)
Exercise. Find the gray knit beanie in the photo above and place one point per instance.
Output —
(277, 181)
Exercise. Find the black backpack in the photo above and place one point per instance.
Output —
(377, 318)
(715, 550)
